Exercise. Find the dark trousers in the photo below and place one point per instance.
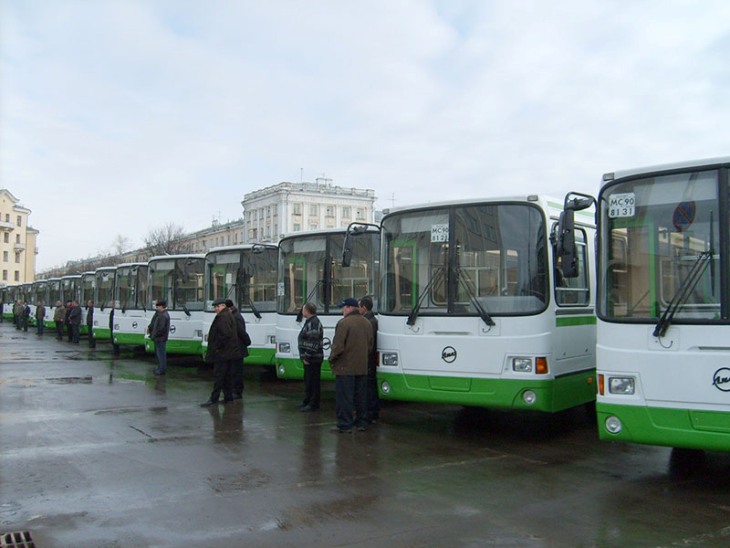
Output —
(75, 333)
(373, 408)
(39, 326)
(24, 321)
(238, 378)
(312, 378)
(351, 401)
(92, 340)
(59, 330)
(161, 354)
(223, 379)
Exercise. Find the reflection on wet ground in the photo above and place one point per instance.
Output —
(97, 451)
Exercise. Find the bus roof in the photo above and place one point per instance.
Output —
(708, 162)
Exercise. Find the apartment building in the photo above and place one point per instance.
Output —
(18, 241)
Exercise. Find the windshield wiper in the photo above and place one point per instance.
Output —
(300, 315)
(683, 291)
(483, 314)
(414, 312)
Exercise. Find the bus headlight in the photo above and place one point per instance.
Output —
(621, 385)
(282, 369)
(385, 387)
(613, 425)
(529, 397)
(284, 347)
(389, 358)
(522, 365)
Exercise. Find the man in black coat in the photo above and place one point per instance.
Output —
(244, 341)
(223, 352)
(74, 321)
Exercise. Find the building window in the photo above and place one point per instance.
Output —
(20, 220)
(7, 217)
(17, 275)
(17, 258)
(360, 213)
(313, 226)
(346, 212)
(5, 256)
(6, 237)
(297, 209)
(17, 238)
(313, 211)
(297, 227)
(330, 211)
(5, 275)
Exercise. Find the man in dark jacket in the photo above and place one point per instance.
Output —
(74, 321)
(310, 352)
(373, 406)
(349, 360)
(159, 330)
(90, 322)
(223, 351)
(244, 341)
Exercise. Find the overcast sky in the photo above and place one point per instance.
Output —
(120, 116)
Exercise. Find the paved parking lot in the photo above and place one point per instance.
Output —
(96, 451)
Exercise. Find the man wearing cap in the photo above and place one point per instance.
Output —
(159, 330)
(223, 352)
(349, 360)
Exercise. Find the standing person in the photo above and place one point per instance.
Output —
(74, 321)
(310, 351)
(66, 320)
(90, 322)
(373, 405)
(18, 314)
(58, 317)
(349, 360)
(244, 341)
(26, 315)
(40, 314)
(223, 352)
(159, 330)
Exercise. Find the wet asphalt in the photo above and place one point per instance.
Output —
(96, 451)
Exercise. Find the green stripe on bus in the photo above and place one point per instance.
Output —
(569, 321)
(553, 395)
(684, 428)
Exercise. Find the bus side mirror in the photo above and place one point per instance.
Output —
(566, 250)
(347, 250)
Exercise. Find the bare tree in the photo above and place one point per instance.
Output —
(120, 245)
(165, 240)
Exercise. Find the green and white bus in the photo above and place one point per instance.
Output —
(664, 305)
(311, 270)
(248, 276)
(104, 302)
(131, 305)
(179, 280)
(473, 311)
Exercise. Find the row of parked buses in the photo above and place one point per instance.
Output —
(498, 303)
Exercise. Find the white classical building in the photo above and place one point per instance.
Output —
(273, 211)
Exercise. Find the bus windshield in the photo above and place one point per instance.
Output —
(485, 259)
(247, 277)
(179, 281)
(311, 267)
(662, 248)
